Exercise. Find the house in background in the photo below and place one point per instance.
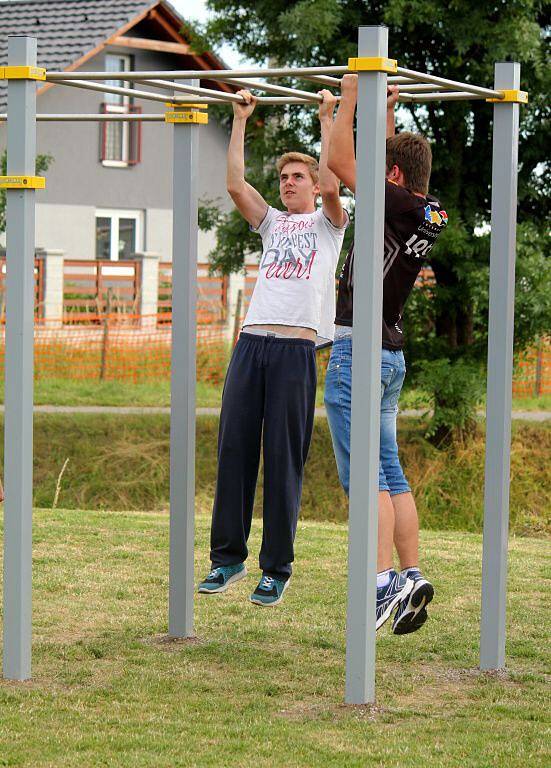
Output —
(109, 188)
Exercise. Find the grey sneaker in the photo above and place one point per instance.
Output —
(412, 610)
(269, 591)
(219, 579)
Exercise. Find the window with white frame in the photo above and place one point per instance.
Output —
(120, 141)
(119, 234)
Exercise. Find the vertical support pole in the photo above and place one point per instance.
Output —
(18, 425)
(366, 372)
(500, 371)
(183, 375)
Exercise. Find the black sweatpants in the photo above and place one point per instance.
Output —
(270, 385)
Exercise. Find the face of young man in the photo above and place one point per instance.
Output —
(297, 190)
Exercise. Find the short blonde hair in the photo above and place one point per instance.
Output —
(300, 157)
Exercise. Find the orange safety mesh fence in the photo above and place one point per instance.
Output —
(123, 348)
(533, 371)
(137, 348)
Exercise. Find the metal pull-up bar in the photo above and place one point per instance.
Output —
(21, 183)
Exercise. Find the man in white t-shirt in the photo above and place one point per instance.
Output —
(270, 388)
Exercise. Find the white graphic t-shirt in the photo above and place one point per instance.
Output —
(296, 275)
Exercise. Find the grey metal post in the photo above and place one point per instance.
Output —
(183, 376)
(366, 373)
(500, 367)
(18, 425)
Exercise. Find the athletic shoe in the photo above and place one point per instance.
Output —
(389, 596)
(412, 611)
(219, 579)
(269, 591)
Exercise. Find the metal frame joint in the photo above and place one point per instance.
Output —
(180, 106)
(372, 64)
(179, 116)
(22, 182)
(22, 73)
(511, 96)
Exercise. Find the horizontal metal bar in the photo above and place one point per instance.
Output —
(219, 99)
(333, 82)
(170, 86)
(278, 89)
(461, 87)
(421, 87)
(91, 118)
(132, 92)
(399, 80)
(115, 117)
(274, 100)
(419, 98)
(299, 72)
(211, 74)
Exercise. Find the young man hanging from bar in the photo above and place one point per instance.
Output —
(413, 221)
(270, 388)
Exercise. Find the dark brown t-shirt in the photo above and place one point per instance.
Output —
(412, 224)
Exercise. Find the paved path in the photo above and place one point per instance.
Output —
(121, 410)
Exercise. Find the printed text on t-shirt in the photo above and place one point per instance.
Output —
(290, 255)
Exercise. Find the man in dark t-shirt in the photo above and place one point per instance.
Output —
(413, 221)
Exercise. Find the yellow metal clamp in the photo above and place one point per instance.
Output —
(373, 64)
(22, 182)
(201, 118)
(511, 97)
(181, 106)
(22, 73)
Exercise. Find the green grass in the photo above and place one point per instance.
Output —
(122, 462)
(542, 403)
(157, 394)
(262, 688)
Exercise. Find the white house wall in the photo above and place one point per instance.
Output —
(78, 183)
(69, 228)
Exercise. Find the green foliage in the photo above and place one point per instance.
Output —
(43, 162)
(445, 322)
(455, 390)
(533, 286)
(122, 462)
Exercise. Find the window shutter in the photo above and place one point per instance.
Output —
(103, 135)
(135, 137)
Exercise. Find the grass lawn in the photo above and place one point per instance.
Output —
(121, 462)
(264, 687)
(157, 393)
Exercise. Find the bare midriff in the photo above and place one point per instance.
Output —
(286, 330)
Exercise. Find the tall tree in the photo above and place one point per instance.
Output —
(461, 39)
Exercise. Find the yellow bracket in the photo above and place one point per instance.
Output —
(22, 73)
(201, 118)
(22, 182)
(373, 64)
(178, 105)
(512, 97)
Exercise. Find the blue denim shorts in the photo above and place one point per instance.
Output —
(338, 399)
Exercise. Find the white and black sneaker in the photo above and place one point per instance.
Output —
(412, 611)
(388, 597)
